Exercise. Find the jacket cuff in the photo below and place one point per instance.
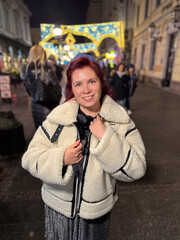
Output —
(103, 143)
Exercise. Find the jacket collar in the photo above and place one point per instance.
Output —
(66, 113)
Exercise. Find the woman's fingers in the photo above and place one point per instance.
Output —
(73, 153)
(77, 154)
(76, 144)
(79, 158)
(97, 127)
(78, 148)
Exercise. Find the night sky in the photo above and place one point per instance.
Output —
(65, 12)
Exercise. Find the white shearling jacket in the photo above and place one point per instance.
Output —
(120, 154)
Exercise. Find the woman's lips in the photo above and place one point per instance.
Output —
(87, 99)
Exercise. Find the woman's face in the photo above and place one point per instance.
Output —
(86, 87)
(121, 68)
(131, 70)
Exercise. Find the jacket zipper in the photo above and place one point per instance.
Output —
(78, 186)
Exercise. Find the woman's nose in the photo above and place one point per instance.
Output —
(86, 88)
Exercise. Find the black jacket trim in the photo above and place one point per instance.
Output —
(55, 135)
(101, 199)
(121, 169)
(58, 197)
(130, 131)
(73, 200)
(125, 162)
(46, 133)
(57, 132)
(85, 167)
(129, 152)
(37, 166)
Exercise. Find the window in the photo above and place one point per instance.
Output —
(158, 2)
(146, 9)
(152, 55)
(26, 28)
(6, 13)
(142, 56)
(16, 22)
(135, 54)
(137, 19)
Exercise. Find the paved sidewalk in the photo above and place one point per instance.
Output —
(147, 209)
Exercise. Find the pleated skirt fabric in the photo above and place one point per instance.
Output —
(59, 227)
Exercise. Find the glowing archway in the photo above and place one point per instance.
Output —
(96, 33)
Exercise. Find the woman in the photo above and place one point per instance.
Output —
(119, 84)
(98, 144)
(38, 69)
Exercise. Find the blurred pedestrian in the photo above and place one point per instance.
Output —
(119, 84)
(79, 165)
(131, 86)
(37, 69)
(13, 79)
(63, 85)
(107, 70)
(58, 69)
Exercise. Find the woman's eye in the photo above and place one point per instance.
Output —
(92, 81)
(77, 84)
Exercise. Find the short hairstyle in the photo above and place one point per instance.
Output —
(120, 65)
(80, 63)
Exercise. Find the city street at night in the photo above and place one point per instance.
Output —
(147, 209)
(99, 183)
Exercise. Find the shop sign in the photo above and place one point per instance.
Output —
(158, 68)
(5, 87)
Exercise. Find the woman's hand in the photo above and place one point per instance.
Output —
(73, 153)
(97, 127)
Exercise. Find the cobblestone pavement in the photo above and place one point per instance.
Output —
(147, 209)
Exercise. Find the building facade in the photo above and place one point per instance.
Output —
(156, 42)
(15, 38)
(115, 10)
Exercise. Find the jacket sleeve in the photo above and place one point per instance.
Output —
(122, 156)
(45, 161)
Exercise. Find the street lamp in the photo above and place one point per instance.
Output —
(58, 36)
(57, 31)
(175, 14)
(154, 33)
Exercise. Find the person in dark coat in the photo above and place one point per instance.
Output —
(38, 68)
(131, 86)
(119, 84)
(58, 69)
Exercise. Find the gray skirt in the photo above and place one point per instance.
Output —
(59, 227)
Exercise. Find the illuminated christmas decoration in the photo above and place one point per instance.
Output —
(110, 55)
(59, 51)
(70, 40)
(96, 33)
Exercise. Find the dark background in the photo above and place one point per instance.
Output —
(66, 12)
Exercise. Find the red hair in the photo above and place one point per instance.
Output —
(80, 63)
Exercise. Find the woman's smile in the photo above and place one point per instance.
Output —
(89, 98)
